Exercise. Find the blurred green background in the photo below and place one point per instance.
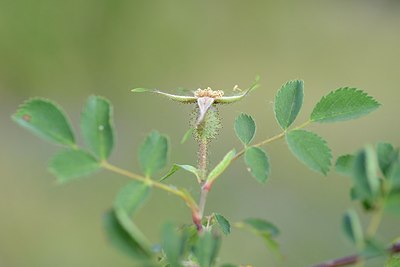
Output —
(67, 50)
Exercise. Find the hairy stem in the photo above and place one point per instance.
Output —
(202, 161)
(202, 166)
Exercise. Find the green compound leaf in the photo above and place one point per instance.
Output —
(128, 201)
(45, 119)
(223, 223)
(177, 167)
(97, 126)
(118, 237)
(345, 164)
(387, 155)
(70, 164)
(172, 245)
(365, 174)
(245, 128)
(343, 104)
(264, 229)
(153, 153)
(206, 249)
(262, 226)
(257, 163)
(221, 166)
(310, 149)
(352, 228)
(288, 102)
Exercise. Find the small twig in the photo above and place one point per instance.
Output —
(272, 139)
(353, 259)
(191, 204)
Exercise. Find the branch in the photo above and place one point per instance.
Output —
(188, 200)
(353, 259)
(272, 139)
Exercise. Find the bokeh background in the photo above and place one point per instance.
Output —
(67, 50)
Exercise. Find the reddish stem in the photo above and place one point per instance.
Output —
(352, 259)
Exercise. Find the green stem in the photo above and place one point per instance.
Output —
(202, 166)
(202, 161)
(272, 139)
(191, 204)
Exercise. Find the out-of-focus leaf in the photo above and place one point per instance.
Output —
(352, 228)
(394, 175)
(245, 128)
(310, 149)
(262, 226)
(97, 126)
(264, 229)
(288, 102)
(365, 179)
(392, 203)
(343, 104)
(344, 165)
(122, 240)
(129, 199)
(206, 249)
(373, 248)
(172, 245)
(257, 163)
(45, 119)
(70, 164)
(153, 153)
